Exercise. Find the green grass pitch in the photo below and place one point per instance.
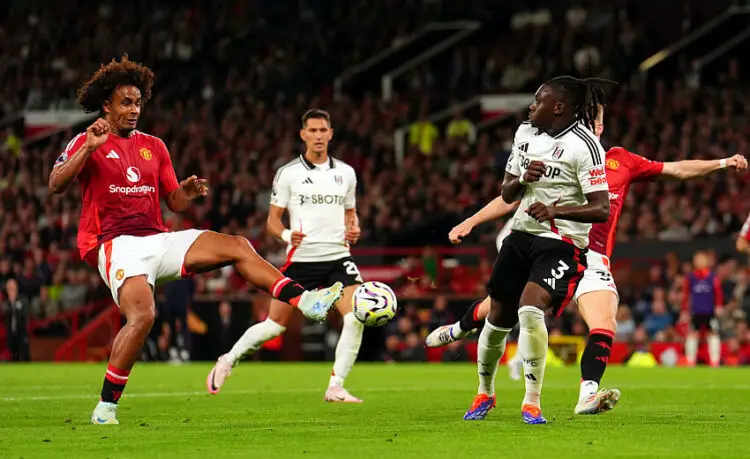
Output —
(410, 411)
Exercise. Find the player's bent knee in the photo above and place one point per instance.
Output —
(242, 248)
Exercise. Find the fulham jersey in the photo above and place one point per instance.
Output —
(316, 196)
(574, 161)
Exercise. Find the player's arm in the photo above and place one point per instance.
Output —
(743, 239)
(693, 168)
(72, 161)
(513, 183)
(351, 219)
(492, 211)
(280, 195)
(594, 211)
(178, 196)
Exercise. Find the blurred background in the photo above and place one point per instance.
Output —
(425, 96)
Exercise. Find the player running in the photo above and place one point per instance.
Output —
(319, 194)
(557, 165)
(123, 173)
(597, 295)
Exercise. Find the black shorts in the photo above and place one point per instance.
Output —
(555, 265)
(704, 323)
(318, 274)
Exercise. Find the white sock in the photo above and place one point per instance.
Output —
(457, 331)
(347, 349)
(714, 349)
(588, 388)
(532, 344)
(253, 339)
(490, 350)
(691, 349)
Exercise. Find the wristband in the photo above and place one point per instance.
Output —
(723, 163)
(522, 181)
(286, 236)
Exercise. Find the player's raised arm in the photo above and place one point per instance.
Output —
(513, 183)
(71, 162)
(693, 168)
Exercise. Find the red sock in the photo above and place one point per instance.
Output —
(114, 383)
(288, 291)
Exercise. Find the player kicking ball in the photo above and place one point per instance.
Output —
(596, 296)
(319, 194)
(123, 174)
(556, 168)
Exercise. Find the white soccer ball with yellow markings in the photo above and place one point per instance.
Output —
(374, 304)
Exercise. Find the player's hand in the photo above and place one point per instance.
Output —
(534, 172)
(97, 134)
(194, 187)
(352, 234)
(541, 212)
(297, 237)
(460, 231)
(738, 162)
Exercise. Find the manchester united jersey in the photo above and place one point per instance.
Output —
(121, 185)
(623, 168)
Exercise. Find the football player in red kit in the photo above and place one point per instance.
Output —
(596, 295)
(123, 174)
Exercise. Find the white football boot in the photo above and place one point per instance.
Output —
(600, 402)
(218, 374)
(315, 304)
(104, 413)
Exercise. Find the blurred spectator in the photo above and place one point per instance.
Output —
(625, 324)
(16, 313)
(659, 319)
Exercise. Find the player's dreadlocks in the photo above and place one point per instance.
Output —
(585, 95)
(102, 84)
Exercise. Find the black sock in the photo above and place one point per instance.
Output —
(596, 354)
(469, 321)
(114, 383)
(287, 290)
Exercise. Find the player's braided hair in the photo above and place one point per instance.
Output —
(585, 95)
(101, 85)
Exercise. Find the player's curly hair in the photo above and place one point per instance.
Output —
(99, 88)
(585, 95)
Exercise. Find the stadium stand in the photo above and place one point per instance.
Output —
(232, 84)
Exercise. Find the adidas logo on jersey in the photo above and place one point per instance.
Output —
(307, 181)
(550, 281)
(112, 155)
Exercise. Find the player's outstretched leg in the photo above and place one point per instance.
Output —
(490, 350)
(472, 319)
(213, 250)
(136, 300)
(347, 350)
(532, 344)
(249, 342)
(599, 309)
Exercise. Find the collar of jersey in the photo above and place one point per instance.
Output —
(566, 130)
(311, 166)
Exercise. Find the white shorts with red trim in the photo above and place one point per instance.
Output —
(597, 276)
(160, 257)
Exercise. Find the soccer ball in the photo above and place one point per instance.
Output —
(374, 304)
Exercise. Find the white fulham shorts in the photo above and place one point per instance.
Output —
(160, 257)
(597, 276)
(504, 232)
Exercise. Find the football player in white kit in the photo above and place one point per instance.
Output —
(319, 194)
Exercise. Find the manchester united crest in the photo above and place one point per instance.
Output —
(612, 164)
(146, 154)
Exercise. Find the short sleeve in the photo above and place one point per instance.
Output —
(71, 149)
(512, 167)
(350, 202)
(280, 191)
(167, 177)
(591, 173)
(642, 168)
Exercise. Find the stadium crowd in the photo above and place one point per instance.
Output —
(227, 105)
